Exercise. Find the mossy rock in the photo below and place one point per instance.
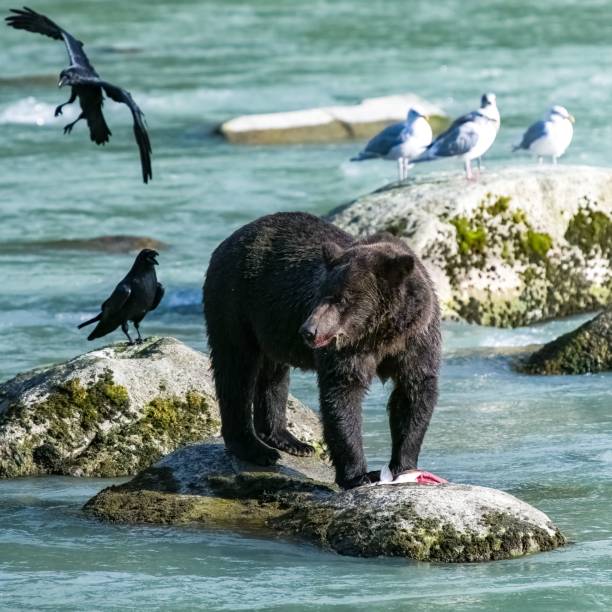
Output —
(585, 350)
(115, 411)
(202, 484)
(520, 245)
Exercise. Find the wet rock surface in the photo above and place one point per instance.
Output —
(114, 411)
(203, 484)
(520, 245)
(585, 350)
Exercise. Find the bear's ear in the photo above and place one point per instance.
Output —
(331, 253)
(396, 269)
(379, 237)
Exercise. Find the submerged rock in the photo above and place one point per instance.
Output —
(107, 244)
(520, 245)
(203, 484)
(330, 123)
(114, 411)
(585, 350)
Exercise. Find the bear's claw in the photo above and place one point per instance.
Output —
(287, 442)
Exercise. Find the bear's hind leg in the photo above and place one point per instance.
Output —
(235, 372)
(270, 410)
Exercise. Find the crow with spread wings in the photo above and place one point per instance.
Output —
(86, 85)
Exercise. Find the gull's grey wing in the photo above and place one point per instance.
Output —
(159, 294)
(27, 19)
(117, 299)
(383, 142)
(456, 141)
(534, 132)
(140, 132)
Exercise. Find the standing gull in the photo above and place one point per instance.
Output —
(86, 85)
(469, 137)
(549, 137)
(402, 141)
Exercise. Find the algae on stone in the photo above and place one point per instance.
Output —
(204, 485)
(519, 245)
(115, 411)
(585, 350)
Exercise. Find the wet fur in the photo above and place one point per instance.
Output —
(269, 279)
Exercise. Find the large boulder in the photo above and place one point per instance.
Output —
(520, 245)
(114, 411)
(329, 123)
(203, 484)
(585, 350)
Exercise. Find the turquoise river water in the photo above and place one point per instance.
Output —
(191, 65)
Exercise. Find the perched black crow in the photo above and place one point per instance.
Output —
(138, 293)
(86, 85)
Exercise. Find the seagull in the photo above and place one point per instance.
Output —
(87, 85)
(549, 137)
(402, 141)
(469, 137)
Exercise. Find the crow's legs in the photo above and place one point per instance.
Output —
(58, 109)
(139, 340)
(124, 329)
(68, 128)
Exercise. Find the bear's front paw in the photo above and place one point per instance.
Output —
(254, 451)
(285, 441)
(357, 481)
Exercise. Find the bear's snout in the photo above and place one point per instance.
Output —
(321, 327)
(308, 331)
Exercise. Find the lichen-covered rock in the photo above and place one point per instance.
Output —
(329, 123)
(585, 350)
(202, 483)
(520, 245)
(114, 411)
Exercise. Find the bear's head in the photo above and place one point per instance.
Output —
(368, 294)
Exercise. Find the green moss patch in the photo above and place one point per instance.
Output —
(497, 239)
(471, 236)
(589, 230)
(587, 349)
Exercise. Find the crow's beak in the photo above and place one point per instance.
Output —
(154, 260)
(61, 82)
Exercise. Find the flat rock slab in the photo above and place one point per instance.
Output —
(331, 123)
(520, 245)
(585, 350)
(114, 411)
(451, 523)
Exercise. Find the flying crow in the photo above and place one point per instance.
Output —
(138, 293)
(86, 85)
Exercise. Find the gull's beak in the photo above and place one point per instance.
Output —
(572, 118)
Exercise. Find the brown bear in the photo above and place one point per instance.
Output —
(290, 290)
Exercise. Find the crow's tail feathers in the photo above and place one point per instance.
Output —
(90, 321)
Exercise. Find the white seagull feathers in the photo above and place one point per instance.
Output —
(469, 137)
(402, 141)
(550, 137)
